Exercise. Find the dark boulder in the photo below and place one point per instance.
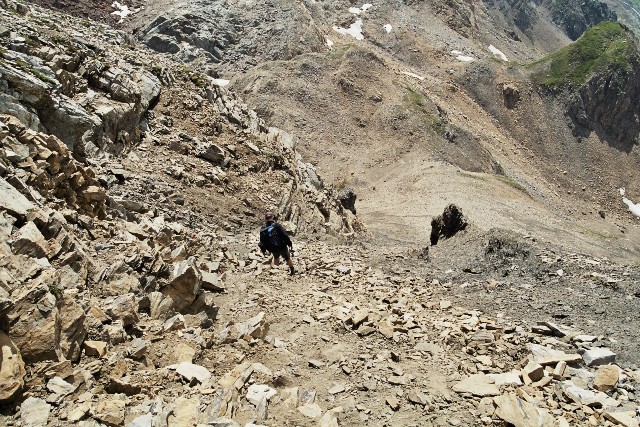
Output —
(448, 224)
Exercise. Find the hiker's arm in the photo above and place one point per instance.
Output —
(285, 236)
(262, 244)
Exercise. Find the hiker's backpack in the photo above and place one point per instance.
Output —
(270, 235)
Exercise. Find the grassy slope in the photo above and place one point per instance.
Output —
(606, 46)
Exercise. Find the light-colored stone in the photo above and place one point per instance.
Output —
(184, 353)
(623, 418)
(330, 418)
(12, 370)
(109, 411)
(393, 402)
(478, 385)
(212, 282)
(598, 356)
(30, 241)
(520, 413)
(184, 285)
(311, 410)
(588, 397)
(145, 420)
(607, 378)
(160, 306)
(79, 411)
(533, 371)
(190, 371)
(417, 397)
(59, 386)
(95, 348)
(507, 378)
(175, 323)
(12, 200)
(259, 392)
(123, 307)
(185, 412)
(338, 388)
(34, 412)
(549, 356)
(138, 348)
(359, 317)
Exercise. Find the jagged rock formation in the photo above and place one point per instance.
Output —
(573, 17)
(72, 89)
(596, 76)
(576, 17)
(211, 33)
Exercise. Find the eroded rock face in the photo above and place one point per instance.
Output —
(574, 17)
(607, 104)
(36, 86)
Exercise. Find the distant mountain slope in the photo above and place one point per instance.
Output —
(598, 74)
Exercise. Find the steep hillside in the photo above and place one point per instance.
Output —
(133, 180)
(598, 74)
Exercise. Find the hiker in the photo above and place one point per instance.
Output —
(274, 239)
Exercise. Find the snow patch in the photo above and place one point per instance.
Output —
(634, 208)
(407, 73)
(460, 56)
(329, 42)
(388, 28)
(359, 10)
(498, 53)
(355, 30)
(220, 82)
(122, 10)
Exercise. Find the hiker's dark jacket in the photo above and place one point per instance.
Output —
(273, 237)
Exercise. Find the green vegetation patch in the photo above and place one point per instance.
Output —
(607, 46)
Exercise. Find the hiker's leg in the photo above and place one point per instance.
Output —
(287, 258)
(276, 260)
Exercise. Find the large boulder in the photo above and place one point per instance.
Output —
(12, 201)
(448, 224)
(12, 370)
(35, 325)
(72, 329)
(184, 286)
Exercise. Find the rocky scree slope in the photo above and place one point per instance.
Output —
(130, 294)
(403, 95)
(99, 226)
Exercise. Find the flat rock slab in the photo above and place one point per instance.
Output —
(311, 410)
(549, 356)
(34, 412)
(607, 378)
(623, 418)
(478, 385)
(598, 356)
(12, 200)
(190, 371)
(520, 413)
(258, 393)
(507, 378)
(338, 388)
(59, 386)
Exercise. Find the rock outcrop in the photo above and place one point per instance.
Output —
(596, 78)
(73, 90)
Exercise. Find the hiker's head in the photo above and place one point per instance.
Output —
(269, 216)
